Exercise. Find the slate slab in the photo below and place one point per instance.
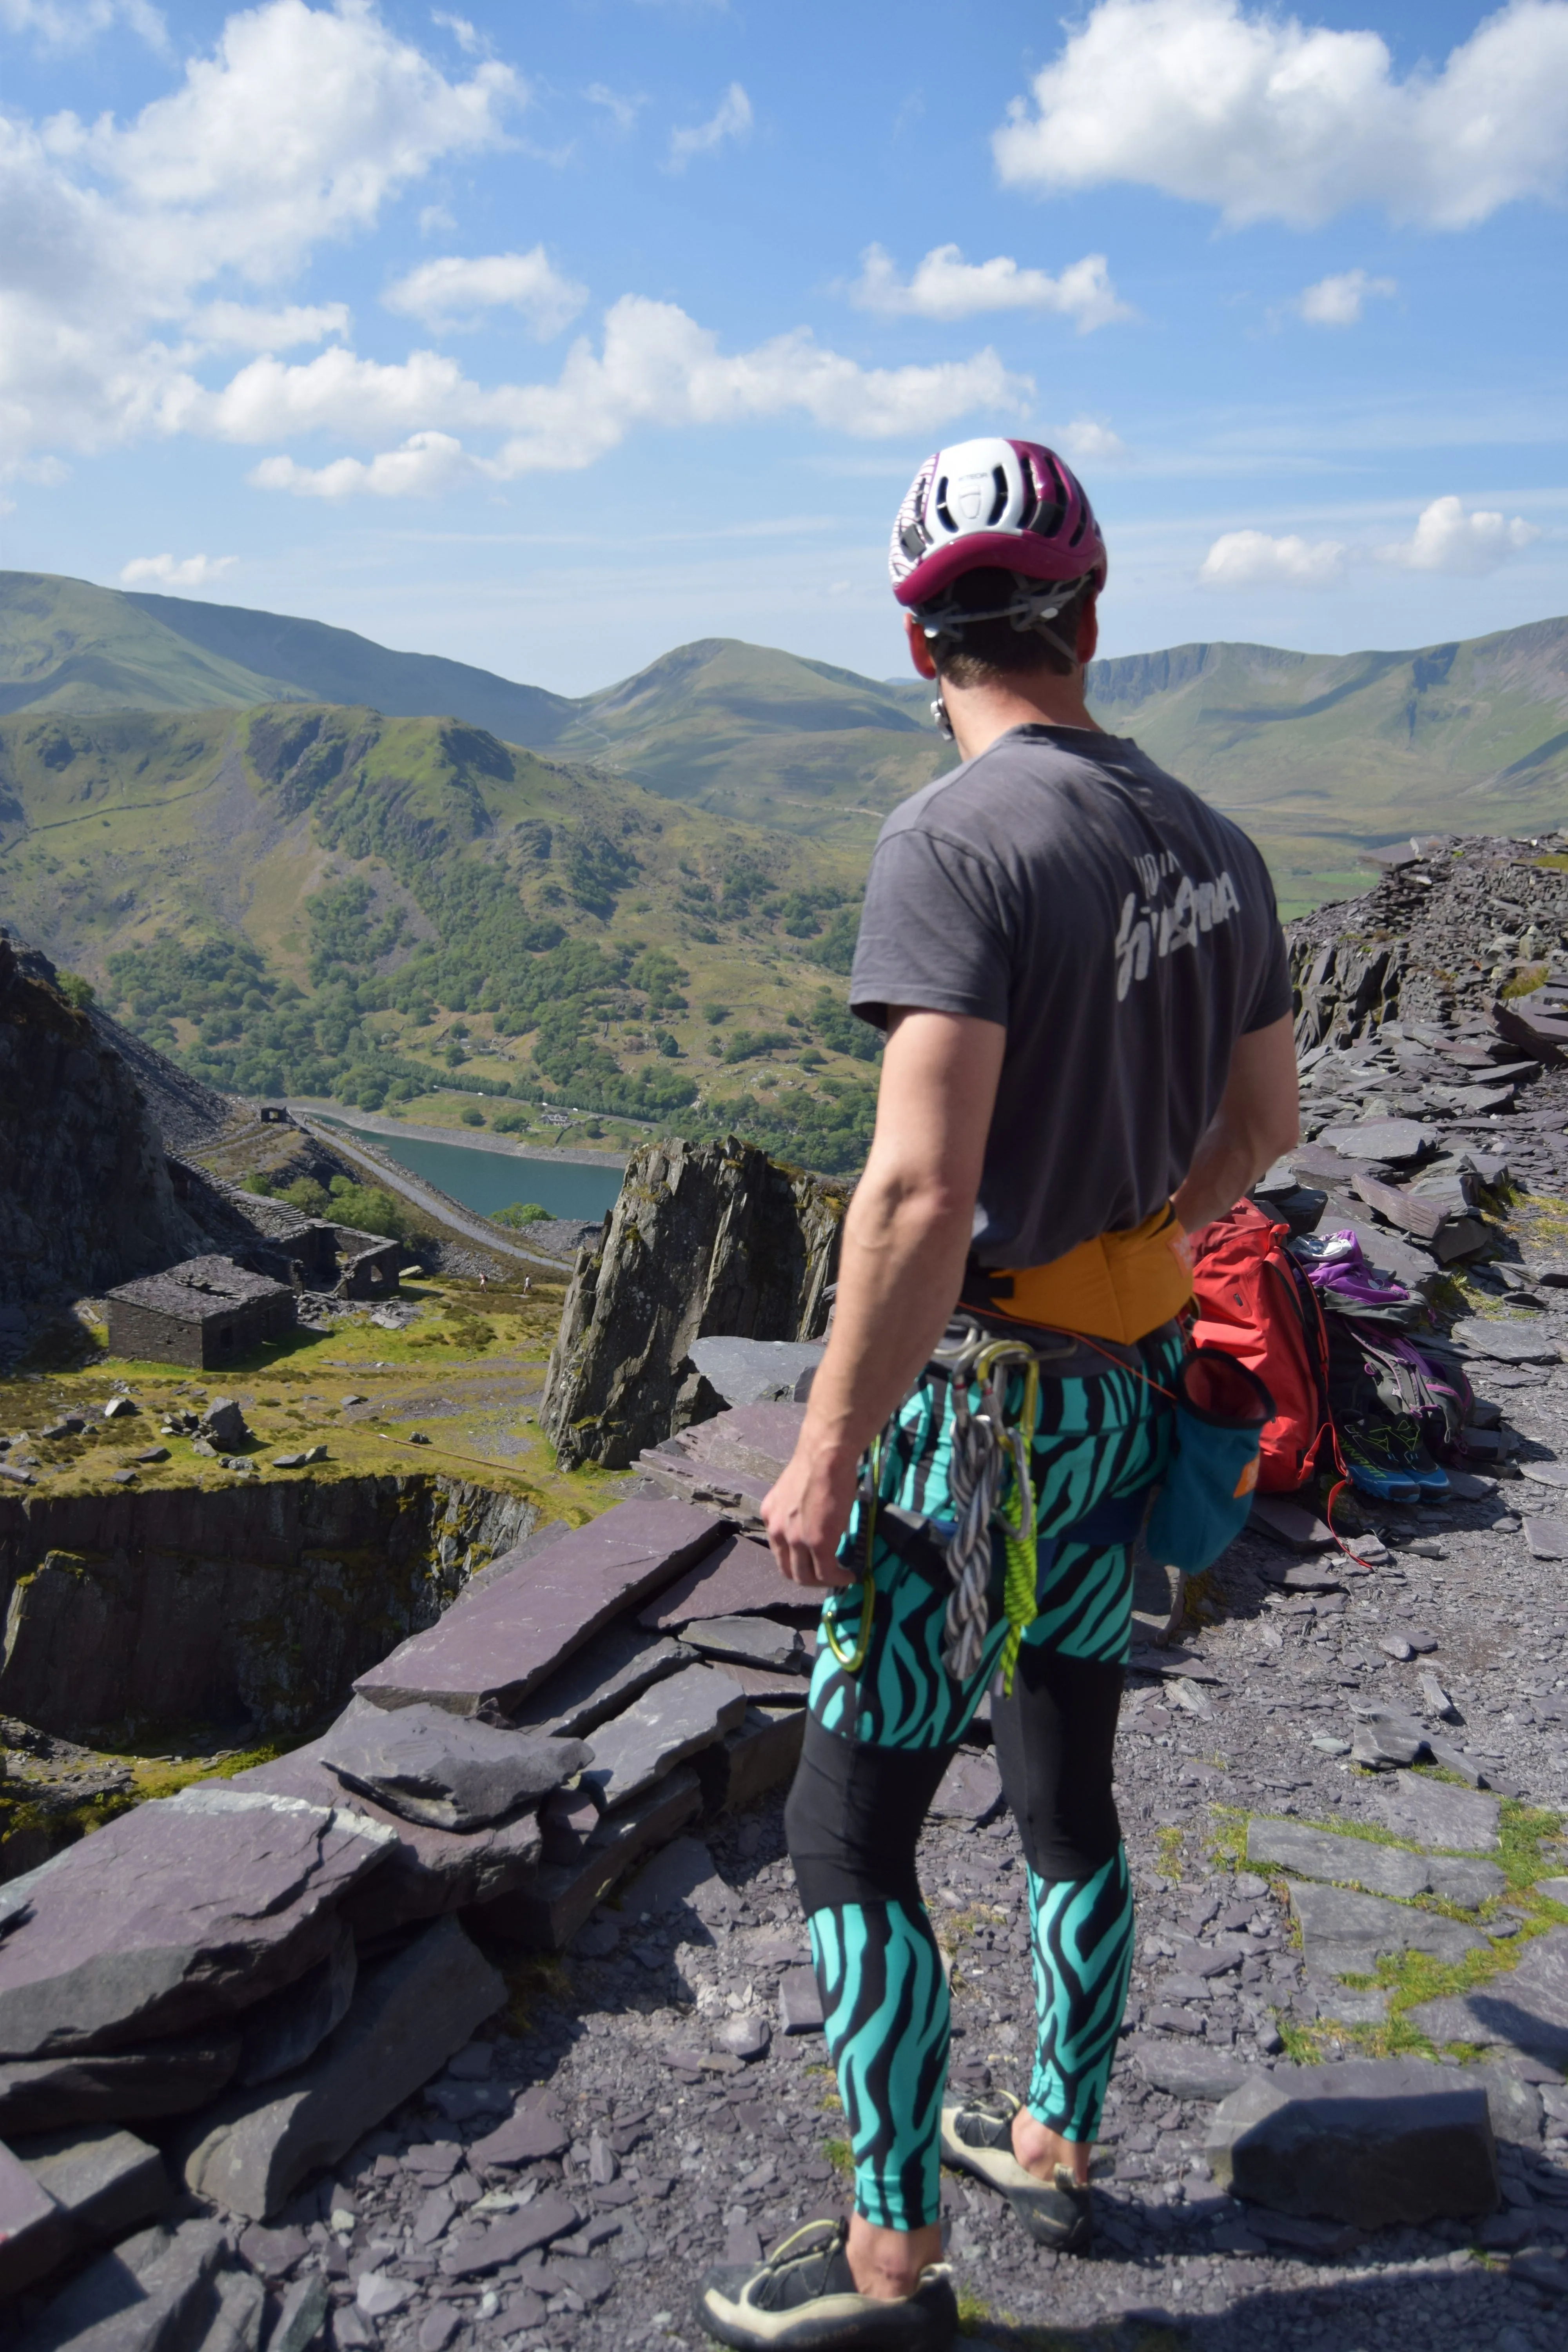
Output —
(131, 2086)
(156, 2291)
(445, 1770)
(1345, 1934)
(1368, 2141)
(1435, 1814)
(749, 1642)
(1379, 1139)
(1525, 2008)
(682, 1883)
(567, 1819)
(34, 2234)
(429, 1871)
(739, 1579)
(546, 1915)
(530, 2134)
(1319, 1854)
(104, 2180)
(283, 2031)
(673, 1720)
(491, 1649)
(512, 2236)
(409, 2015)
(800, 2003)
(1547, 1539)
(765, 1688)
(1185, 2071)
(1507, 1340)
(173, 1914)
(755, 1371)
(760, 1753)
(616, 1666)
(969, 1788)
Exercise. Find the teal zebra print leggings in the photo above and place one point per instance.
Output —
(878, 1739)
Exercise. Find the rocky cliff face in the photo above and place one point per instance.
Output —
(704, 1239)
(1452, 922)
(85, 1195)
(260, 1601)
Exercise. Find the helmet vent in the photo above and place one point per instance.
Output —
(999, 503)
(939, 504)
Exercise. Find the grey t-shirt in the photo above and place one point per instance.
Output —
(1122, 931)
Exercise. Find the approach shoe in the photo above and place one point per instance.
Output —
(1416, 1462)
(804, 2296)
(1374, 1458)
(977, 2137)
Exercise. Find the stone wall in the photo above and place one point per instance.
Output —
(256, 1602)
(704, 1239)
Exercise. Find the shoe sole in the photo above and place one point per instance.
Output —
(835, 2322)
(1021, 2192)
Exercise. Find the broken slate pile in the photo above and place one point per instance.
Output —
(219, 1993)
(1432, 1035)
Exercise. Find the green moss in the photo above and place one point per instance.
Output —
(1168, 1851)
(840, 2156)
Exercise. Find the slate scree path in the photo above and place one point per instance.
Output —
(485, 2018)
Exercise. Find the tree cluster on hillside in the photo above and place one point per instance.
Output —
(258, 1035)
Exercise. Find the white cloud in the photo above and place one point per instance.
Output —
(945, 286)
(71, 24)
(1250, 559)
(467, 36)
(656, 368)
(243, 326)
(1087, 442)
(192, 571)
(622, 107)
(299, 127)
(1339, 301)
(732, 119)
(1271, 120)
(1446, 539)
(454, 293)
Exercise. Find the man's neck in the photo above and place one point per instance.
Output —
(979, 714)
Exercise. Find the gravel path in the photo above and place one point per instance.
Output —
(672, 2163)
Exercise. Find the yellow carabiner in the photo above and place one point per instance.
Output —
(852, 1664)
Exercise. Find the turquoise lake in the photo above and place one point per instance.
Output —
(487, 1181)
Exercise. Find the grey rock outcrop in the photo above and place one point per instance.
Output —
(704, 1240)
(85, 1195)
(1371, 2141)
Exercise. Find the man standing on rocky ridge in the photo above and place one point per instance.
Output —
(1080, 973)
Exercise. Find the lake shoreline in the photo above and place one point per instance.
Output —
(370, 1122)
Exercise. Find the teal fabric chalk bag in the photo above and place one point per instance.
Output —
(1222, 1410)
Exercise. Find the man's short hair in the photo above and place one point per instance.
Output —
(985, 651)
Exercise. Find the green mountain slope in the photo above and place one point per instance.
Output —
(1320, 756)
(322, 900)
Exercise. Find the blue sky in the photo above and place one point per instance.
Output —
(552, 337)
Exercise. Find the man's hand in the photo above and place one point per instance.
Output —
(806, 1512)
(905, 1240)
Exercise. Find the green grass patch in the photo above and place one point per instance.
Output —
(840, 2156)
(1168, 1853)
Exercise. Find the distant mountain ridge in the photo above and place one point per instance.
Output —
(1320, 755)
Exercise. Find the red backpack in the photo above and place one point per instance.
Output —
(1253, 1301)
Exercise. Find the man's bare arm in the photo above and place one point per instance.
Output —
(905, 1241)
(1259, 1118)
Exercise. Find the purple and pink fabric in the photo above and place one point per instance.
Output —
(1337, 1270)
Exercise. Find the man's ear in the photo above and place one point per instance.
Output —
(920, 649)
(1089, 632)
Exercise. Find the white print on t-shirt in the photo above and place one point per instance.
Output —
(1150, 930)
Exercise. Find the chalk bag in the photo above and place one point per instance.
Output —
(1222, 1410)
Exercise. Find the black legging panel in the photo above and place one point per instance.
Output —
(1056, 1743)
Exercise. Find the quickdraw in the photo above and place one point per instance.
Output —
(984, 1448)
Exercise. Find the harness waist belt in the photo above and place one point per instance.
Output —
(1119, 1285)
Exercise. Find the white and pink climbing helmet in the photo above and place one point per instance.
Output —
(1005, 505)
